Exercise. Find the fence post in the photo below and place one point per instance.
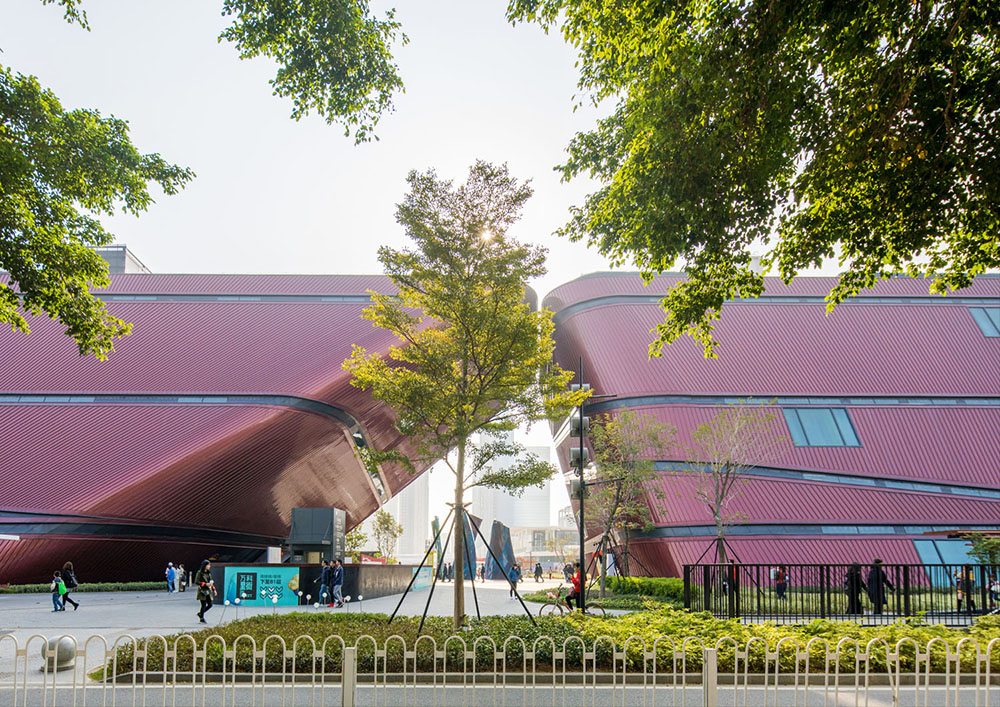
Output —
(824, 590)
(349, 677)
(687, 586)
(710, 677)
(906, 591)
(984, 586)
(706, 589)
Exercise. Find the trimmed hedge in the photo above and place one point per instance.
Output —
(631, 593)
(662, 631)
(671, 588)
(85, 587)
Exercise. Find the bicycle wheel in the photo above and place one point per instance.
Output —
(550, 609)
(595, 610)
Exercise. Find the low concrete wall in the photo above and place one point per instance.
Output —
(370, 581)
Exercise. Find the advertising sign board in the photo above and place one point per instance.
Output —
(258, 586)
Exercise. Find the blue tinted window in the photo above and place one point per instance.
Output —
(927, 552)
(795, 428)
(821, 427)
(845, 427)
(988, 319)
(821, 430)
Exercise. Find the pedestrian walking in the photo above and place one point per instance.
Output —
(337, 582)
(854, 584)
(69, 580)
(781, 582)
(538, 571)
(324, 583)
(58, 588)
(965, 584)
(170, 574)
(877, 584)
(514, 576)
(206, 588)
(182, 579)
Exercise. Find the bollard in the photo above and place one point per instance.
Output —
(349, 677)
(710, 677)
(58, 654)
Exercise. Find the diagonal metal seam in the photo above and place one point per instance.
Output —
(929, 400)
(697, 530)
(606, 300)
(145, 529)
(353, 425)
(831, 477)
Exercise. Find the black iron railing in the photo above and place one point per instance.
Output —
(872, 594)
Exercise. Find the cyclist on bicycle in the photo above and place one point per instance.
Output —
(571, 598)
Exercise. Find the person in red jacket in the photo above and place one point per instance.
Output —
(572, 596)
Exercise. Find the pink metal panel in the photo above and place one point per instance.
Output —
(953, 445)
(604, 284)
(789, 349)
(762, 500)
(669, 556)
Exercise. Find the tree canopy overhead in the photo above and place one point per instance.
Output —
(865, 131)
(60, 170)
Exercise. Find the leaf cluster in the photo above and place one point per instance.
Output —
(59, 170)
(334, 56)
(473, 356)
(867, 131)
(622, 487)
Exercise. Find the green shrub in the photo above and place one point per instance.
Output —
(662, 631)
(671, 588)
(86, 587)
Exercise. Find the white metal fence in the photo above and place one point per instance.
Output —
(542, 671)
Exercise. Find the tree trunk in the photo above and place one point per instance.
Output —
(604, 568)
(459, 564)
(721, 545)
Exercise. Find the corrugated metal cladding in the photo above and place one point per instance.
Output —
(788, 349)
(775, 550)
(936, 444)
(606, 284)
(917, 350)
(204, 468)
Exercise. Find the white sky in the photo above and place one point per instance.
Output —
(279, 196)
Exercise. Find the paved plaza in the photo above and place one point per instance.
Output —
(112, 614)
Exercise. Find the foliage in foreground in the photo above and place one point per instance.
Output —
(663, 631)
(87, 587)
(865, 131)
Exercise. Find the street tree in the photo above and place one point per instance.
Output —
(61, 170)
(386, 531)
(865, 131)
(622, 488)
(722, 451)
(474, 361)
(354, 543)
(985, 549)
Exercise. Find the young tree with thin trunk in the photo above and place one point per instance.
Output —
(386, 531)
(473, 358)
(736, 440)
(626, 448)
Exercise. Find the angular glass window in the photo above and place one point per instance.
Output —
(820, 427)
(988, 319)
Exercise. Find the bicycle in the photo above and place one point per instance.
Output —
(556, 606)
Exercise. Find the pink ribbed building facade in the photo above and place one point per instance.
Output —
(227, 407)
(888, 410)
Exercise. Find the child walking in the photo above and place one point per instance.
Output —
(58, 588)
